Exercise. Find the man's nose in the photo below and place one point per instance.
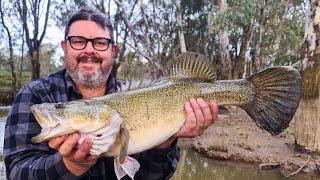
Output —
(89, 48)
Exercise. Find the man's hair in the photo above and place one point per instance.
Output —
(90, 15)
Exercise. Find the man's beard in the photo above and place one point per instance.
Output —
(91, 80)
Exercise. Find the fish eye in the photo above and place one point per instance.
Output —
(60, 105)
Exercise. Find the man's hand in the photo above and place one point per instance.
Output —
(77, 160)
(199, 116)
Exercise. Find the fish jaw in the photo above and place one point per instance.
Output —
(43, 115)
(48, 133)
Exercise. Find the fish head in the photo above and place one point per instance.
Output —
(84, 116)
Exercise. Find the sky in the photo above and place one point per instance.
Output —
(54, 35)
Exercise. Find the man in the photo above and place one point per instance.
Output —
(88, 55)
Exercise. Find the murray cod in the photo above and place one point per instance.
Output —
(143, 118)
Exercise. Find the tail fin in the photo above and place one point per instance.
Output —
(278, 92)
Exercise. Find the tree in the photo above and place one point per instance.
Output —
(150, 32)
(220, 6)
(10, 46)
(179, 16)
(307, 120)
(30, 15)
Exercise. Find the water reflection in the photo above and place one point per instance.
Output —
(3, 113)
(193, 166)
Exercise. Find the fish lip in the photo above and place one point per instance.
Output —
(35, 111)
(39, 114)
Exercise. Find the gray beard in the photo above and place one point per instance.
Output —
(90, 81)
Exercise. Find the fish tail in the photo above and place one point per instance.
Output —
(277, 95)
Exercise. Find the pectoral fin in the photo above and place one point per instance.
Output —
(124, 138)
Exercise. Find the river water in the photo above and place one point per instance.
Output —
(192, 165)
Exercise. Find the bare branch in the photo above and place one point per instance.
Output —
(183, 46)
(301, 167)
(147, 27)
(24, 22)
(45, 22)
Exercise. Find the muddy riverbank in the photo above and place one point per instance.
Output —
(236, 137)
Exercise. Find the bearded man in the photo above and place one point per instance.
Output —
(89, 51)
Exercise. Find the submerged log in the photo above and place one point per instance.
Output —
(269, 166)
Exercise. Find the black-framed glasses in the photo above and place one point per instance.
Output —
(99, 43)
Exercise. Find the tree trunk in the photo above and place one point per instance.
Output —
(20, 64)
(34, 57)
(33, 42)
(179, 16)
(307, 118)
(225, 60)
(241, 61)
(256, 60)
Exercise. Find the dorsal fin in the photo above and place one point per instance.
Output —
(191, 65)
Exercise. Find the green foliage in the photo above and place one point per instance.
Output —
(132, 68)
(195, 25)
(5, 78)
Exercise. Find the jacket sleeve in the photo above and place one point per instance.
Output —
(158, 164)
(24, 159)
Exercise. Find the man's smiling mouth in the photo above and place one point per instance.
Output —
(89, 59)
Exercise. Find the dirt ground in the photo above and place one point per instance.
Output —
(236, 137)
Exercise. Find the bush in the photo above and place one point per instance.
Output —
(5, 78)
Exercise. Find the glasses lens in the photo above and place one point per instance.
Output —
(80, 43)
(77, 42)
(101, 43)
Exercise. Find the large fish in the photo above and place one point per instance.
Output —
(144, 118)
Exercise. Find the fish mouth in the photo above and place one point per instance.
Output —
(37, 114)
(41, 114)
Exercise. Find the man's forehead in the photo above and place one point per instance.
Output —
(88, 27)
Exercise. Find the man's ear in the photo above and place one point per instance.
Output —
(63, 45)
(114, 48)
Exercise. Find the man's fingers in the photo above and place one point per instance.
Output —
(83, 150)
(67, 147)
(214, 111)
(199, 118)
(56, 142)
(206, 112)
(189, 123)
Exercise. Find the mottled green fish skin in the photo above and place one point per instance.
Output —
(153, 114)
(157, 112)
